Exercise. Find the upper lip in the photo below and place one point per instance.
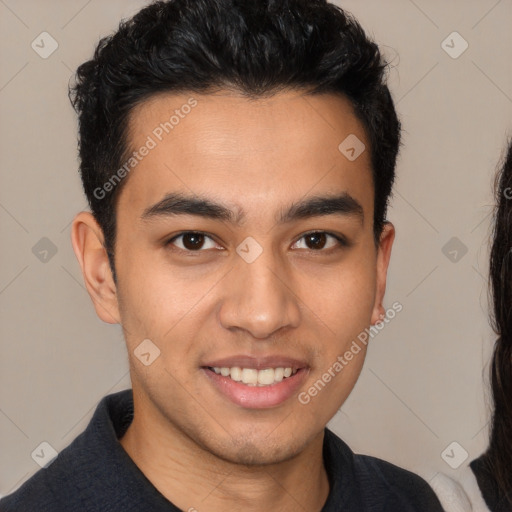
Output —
(258, 363)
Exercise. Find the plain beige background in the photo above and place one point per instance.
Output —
(423, 386)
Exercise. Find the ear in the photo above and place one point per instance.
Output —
(88, 243)
(383, 255)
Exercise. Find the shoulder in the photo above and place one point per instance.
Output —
(46, 489)
(87, 465)
(460, 493)
(451, 494)
(387, 486)
(400, 485)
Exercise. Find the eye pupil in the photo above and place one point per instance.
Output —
(193, 240)
(317, 239)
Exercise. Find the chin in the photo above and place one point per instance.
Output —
(250, 450)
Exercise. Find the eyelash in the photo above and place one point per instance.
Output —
(342, 241)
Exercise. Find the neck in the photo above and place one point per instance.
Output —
(194, 479)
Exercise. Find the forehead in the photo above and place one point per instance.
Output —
(248, 152)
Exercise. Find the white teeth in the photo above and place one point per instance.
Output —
(236, 373)
(253, 377)
(266, 376)
(278, 374)
(249, 376)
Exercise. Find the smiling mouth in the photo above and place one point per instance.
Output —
(254, 377)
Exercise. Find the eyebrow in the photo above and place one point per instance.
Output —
(179, 204)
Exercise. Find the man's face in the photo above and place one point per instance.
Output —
(250, 288)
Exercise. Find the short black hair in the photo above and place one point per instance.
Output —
(256, 48)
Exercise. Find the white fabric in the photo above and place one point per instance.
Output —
(461, 494)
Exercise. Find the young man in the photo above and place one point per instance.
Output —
(238, 158)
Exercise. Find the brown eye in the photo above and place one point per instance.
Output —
(318, 240)
(192, 241)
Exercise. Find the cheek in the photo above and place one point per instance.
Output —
(343, 298)
(342, 311)
(160, 302)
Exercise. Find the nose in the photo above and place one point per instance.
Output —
(260, 297)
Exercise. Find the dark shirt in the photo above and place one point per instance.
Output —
(95, 474)
(493, 496)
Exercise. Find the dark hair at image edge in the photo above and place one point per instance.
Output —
(253, 48)
(498, 457)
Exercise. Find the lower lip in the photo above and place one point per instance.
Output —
(257, 397)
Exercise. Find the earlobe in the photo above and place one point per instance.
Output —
(383, 256)
(87, 240)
